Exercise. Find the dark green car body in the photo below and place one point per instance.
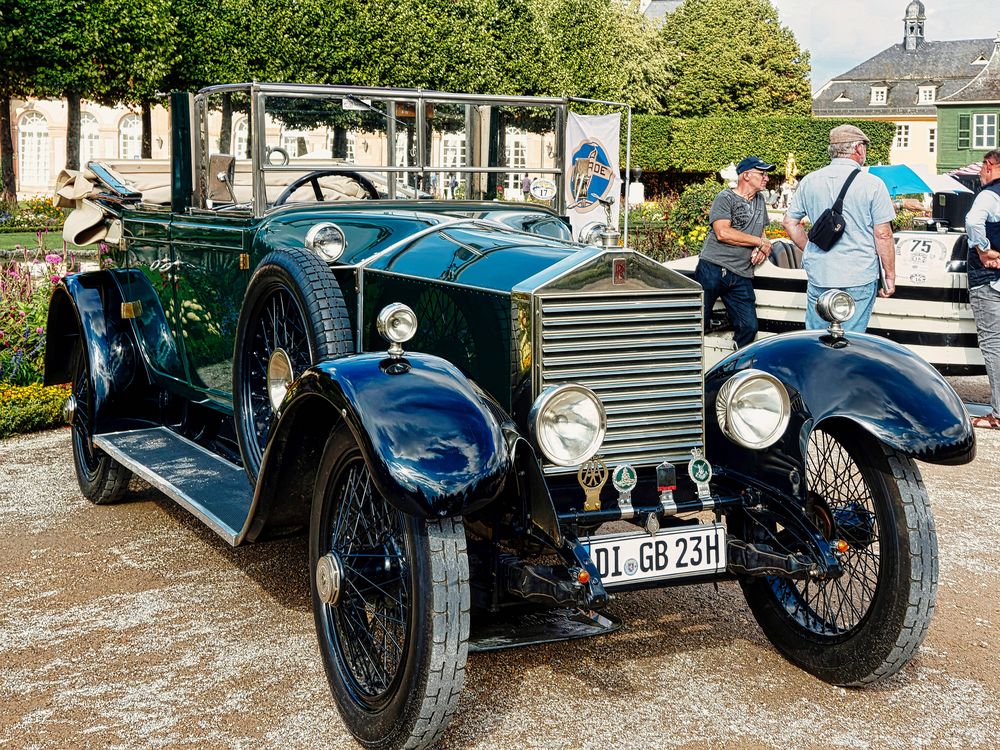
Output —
(383, 354)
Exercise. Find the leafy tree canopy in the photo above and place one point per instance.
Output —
(733, 56)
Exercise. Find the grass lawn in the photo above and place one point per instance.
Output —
(53, 240)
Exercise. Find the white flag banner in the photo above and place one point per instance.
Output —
(592, 168)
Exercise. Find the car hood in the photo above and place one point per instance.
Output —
(412, 234)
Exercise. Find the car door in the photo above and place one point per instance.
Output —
(211, 269)
(148, 291)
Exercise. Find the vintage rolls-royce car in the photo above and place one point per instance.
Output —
(486, 429)
(929, 312)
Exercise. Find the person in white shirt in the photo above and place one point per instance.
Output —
(982, 225)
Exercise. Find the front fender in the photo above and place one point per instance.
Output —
(433, 447)
(87, 308)
(879, 385)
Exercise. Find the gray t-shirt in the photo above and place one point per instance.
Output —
(748, 216)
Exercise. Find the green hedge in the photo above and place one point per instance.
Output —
(707, 144)
(10, 229)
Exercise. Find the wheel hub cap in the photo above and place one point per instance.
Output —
(69, 410)
(279, 377)
(329, 578)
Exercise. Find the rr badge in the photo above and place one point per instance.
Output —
(592, 476)
(620, 274)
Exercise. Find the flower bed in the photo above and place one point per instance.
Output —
(25, 290)
(31, 407)
(32, 215)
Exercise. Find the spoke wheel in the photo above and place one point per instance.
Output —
(840, 503)
(102, 480)
(394, 627)
(865, 624)
(279, 325)
(293, 306)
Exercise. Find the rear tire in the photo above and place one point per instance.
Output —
(865, 625)
(395, 641)
(102, 480)
(293, 303)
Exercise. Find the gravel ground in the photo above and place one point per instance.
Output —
(133, 626)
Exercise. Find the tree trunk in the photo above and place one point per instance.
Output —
(226, 132)
(147, 130)
(339, 142)
(8, 194)
(72, 131)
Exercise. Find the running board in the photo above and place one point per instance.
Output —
(213, 489)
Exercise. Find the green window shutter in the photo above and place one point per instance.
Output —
(964, 131)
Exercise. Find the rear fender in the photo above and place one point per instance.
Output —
(87, 307)
(882, 387)
(433, 447)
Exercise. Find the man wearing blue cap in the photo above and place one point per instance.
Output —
(734, 245)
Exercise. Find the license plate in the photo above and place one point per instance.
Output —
(672, 553)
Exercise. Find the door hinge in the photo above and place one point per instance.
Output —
(244, 261)
(131, 309)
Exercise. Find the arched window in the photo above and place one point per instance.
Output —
(295, 142)
(130, 137)
(517, 158)
(90, 139)
(452, 155)
(242, 139)
(33, 149)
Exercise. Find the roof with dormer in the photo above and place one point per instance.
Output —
(985, 87)
(949, 66)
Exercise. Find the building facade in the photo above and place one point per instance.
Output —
(968, 119)
(39, 134)
(904, 85)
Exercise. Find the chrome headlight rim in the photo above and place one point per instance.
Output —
(327, 240)
(541, 407)
(397, 323)
(835, 306)
(592, 234)
(726, 406)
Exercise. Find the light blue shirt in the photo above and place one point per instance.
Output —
(853, 261)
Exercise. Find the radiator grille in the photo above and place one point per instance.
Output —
(641, 353)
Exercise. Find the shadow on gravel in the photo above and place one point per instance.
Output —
(278, 567)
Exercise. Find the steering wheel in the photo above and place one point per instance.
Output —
(314, 178)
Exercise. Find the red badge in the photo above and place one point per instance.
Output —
(620, 273)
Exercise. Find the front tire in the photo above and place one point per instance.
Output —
(293, 304)
(394, 627)
(102, 480)
(865, 625)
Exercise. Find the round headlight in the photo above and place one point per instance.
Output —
(568, 423)
(591, 233)
(835, 306)
(397, 323)
(753, 409)
(328, 240)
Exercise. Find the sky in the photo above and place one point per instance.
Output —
(840, 34)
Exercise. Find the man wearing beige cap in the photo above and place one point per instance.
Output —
(852, 264)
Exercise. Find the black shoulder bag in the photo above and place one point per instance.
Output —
(829, 227)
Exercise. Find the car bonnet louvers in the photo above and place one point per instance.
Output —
(631, 331)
